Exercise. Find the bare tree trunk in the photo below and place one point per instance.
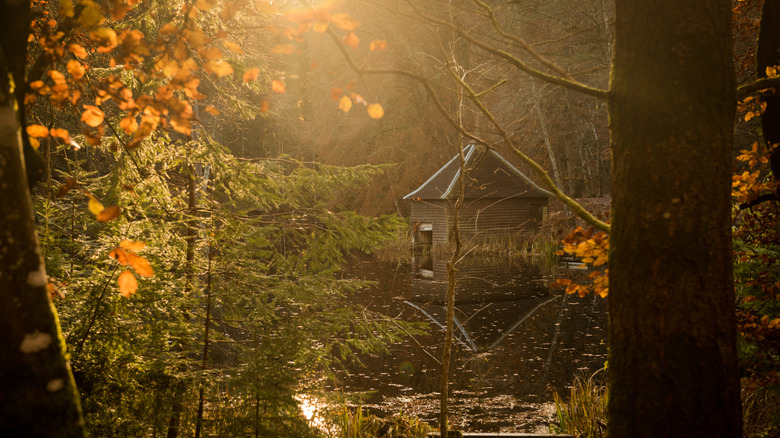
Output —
(672, 357)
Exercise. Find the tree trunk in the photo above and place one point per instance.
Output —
(767, 56)
(672, 359)
(38, 395)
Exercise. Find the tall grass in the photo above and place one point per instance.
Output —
(359, 424)
(584, 413)
(761, 412)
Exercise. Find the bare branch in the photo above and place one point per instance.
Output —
(746, 90)
(578, 209)
(514, 61)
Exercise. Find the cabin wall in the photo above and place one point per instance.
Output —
(483, 218)
(432, 213)
(487, 217)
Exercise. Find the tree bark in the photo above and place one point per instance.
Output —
(767, 56)
(672, 360)
(38, 395)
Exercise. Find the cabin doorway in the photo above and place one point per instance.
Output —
(424, 234)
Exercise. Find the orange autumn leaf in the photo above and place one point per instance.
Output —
(92, 116)
(351, 40)
(119, 255)
(129, 124)
(375, 111)
(128, 285)
(344, 21)
(251, 74)
(39, 131)
(264, 106)
(211, 110)
(132, 245)
(61, 134)
(76, 69)
(345, 104)
(233, 47)
(335, 93)
(78, 50)
(320, 27)
(220, 68)
(109, 213)
(140, 265)
(377, 45)
(277, 86)
(68, 185)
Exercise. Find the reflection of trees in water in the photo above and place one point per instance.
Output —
(511, 318)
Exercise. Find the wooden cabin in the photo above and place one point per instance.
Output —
(499, 199)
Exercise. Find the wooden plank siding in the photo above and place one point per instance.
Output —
(434, 212)
(481, 218)
(486, 217)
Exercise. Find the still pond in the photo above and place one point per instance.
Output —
(516, 340)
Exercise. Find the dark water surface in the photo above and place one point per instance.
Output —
(516, 339)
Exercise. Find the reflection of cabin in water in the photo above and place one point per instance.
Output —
(498, 198)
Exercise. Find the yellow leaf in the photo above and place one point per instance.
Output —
(90, 14)
(749, 115)
(377, 45)
(251, 74)
(771, 72)
(94, 205)
(132, 245)
(106, 38)
(37, 131)
(345, 104)
(34, 143)
(66, 8)
(375, 111)
(277, 86)
(93, 116)
(128, 285)
(351, 40)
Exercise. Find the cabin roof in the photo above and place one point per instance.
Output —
(495, 178)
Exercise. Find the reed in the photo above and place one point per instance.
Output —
(584, 414)
(760, 413)
(359, 424)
